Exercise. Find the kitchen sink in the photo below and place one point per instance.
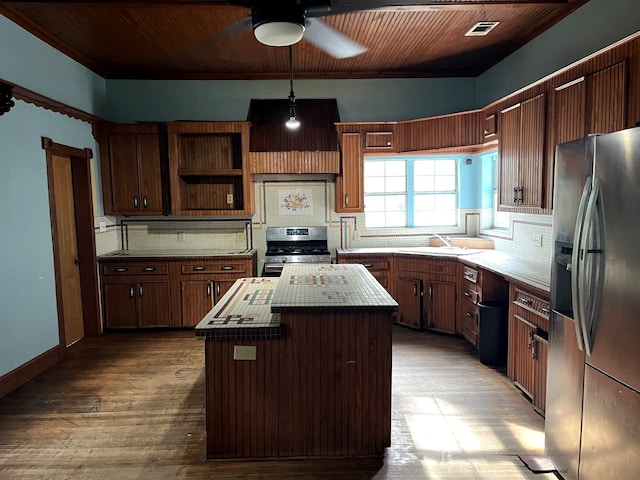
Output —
(444, 250)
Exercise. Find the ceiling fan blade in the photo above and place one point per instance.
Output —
(235, 28)
(330, 40)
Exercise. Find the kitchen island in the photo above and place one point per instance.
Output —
(299, 366)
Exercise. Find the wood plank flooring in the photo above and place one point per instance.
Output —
(131, 406)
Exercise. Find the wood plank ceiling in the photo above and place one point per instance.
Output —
(181, 39)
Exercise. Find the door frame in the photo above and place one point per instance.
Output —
(85, 234)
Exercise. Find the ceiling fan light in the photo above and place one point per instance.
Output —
(279, 34)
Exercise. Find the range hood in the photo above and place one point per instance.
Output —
(312, 148)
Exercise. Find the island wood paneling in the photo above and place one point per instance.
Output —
(322, 389)
(441, 132)
(295, 162)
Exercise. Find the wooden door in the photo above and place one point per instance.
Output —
(125, 185)
(153, 304)
(441, 310)
(120, 305)
(409, 299)
(68, 249)
(350, 182)
(197, 300)
(540, 390)
(150, 174)
(569, 112)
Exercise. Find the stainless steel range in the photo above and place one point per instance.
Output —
(294, 245)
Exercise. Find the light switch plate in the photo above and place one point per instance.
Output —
(229, 198)
(103, 226)
(244, 352)
(537, 239)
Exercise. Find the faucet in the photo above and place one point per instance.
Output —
(446, 240)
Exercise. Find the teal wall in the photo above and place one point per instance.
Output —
(358, 100)
(28, 315)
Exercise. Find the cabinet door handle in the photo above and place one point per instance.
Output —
(469, 314)
(131, 291)
(149, 269)
(346, 200)
(467, 294)
(140, 290)
(121, 269)
(217, 290)
(145, 202)
(226, 267)
(415, 289)
(135, 202)
(208, 289)
(431, 290)
(199, 268)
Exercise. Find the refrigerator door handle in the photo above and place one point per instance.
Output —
(576, 294)
(591, 260)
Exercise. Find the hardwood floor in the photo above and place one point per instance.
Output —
(131, 406)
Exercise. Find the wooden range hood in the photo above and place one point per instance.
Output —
(312, 148)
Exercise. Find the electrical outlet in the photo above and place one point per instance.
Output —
(537, 239)
(103, 226)
(182, 236)
(230, 198)
(244, 352)
(239, 236)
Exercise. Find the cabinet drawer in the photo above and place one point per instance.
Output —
(421, 265)
(136, 269)
(470, 274)
(531, 302)
(373, 265)
(471, 293)
(215, 267)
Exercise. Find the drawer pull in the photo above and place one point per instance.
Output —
(544, 310)
(468, 294)
(368, 265)
(149, 269)
(199, 268)
(140, 290)
(469, 314)
(226, 267)
(121, 269)
(525, 301)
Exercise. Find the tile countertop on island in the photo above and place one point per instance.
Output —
(243, 313)
(330, 286)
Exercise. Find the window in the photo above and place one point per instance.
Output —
(410, 192)
(500, 219)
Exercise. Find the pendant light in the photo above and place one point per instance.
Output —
(293, 121)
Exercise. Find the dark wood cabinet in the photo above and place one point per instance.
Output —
(350, 181)
(436, 283)
(379, 265)
(522, 154)
(409, 297)
(490, 125)
(209, 168)
(133, 167)
(136, 295)
(476, 285)
(203, 283)
(527, 343)
(379, 142)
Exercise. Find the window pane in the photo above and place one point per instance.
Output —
(396, 184)
(445, 202)
(447, 183)
(396, 203)
(374, 184)
(374, 219)
(445, 167)
(423, 167)
(424, 202)
(373, 169)
(374, 203)
(425, 184)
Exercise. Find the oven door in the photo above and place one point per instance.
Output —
(272, 269)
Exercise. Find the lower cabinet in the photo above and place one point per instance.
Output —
(379, 265)
(527, 350)
(136, 296)
(409, 298)
(139, 294)
(435, 282)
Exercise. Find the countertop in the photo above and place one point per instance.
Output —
(512, 267)
(182, 254)
(330, 286)
(244, 314)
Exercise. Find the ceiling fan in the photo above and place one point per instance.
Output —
(286, 22)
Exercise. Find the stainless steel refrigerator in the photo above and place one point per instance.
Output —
(592, 422)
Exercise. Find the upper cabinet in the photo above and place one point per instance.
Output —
(208, 168)
(522, 155)
(132, 161)
(379, 142)
(445, 131)
(350, 182)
